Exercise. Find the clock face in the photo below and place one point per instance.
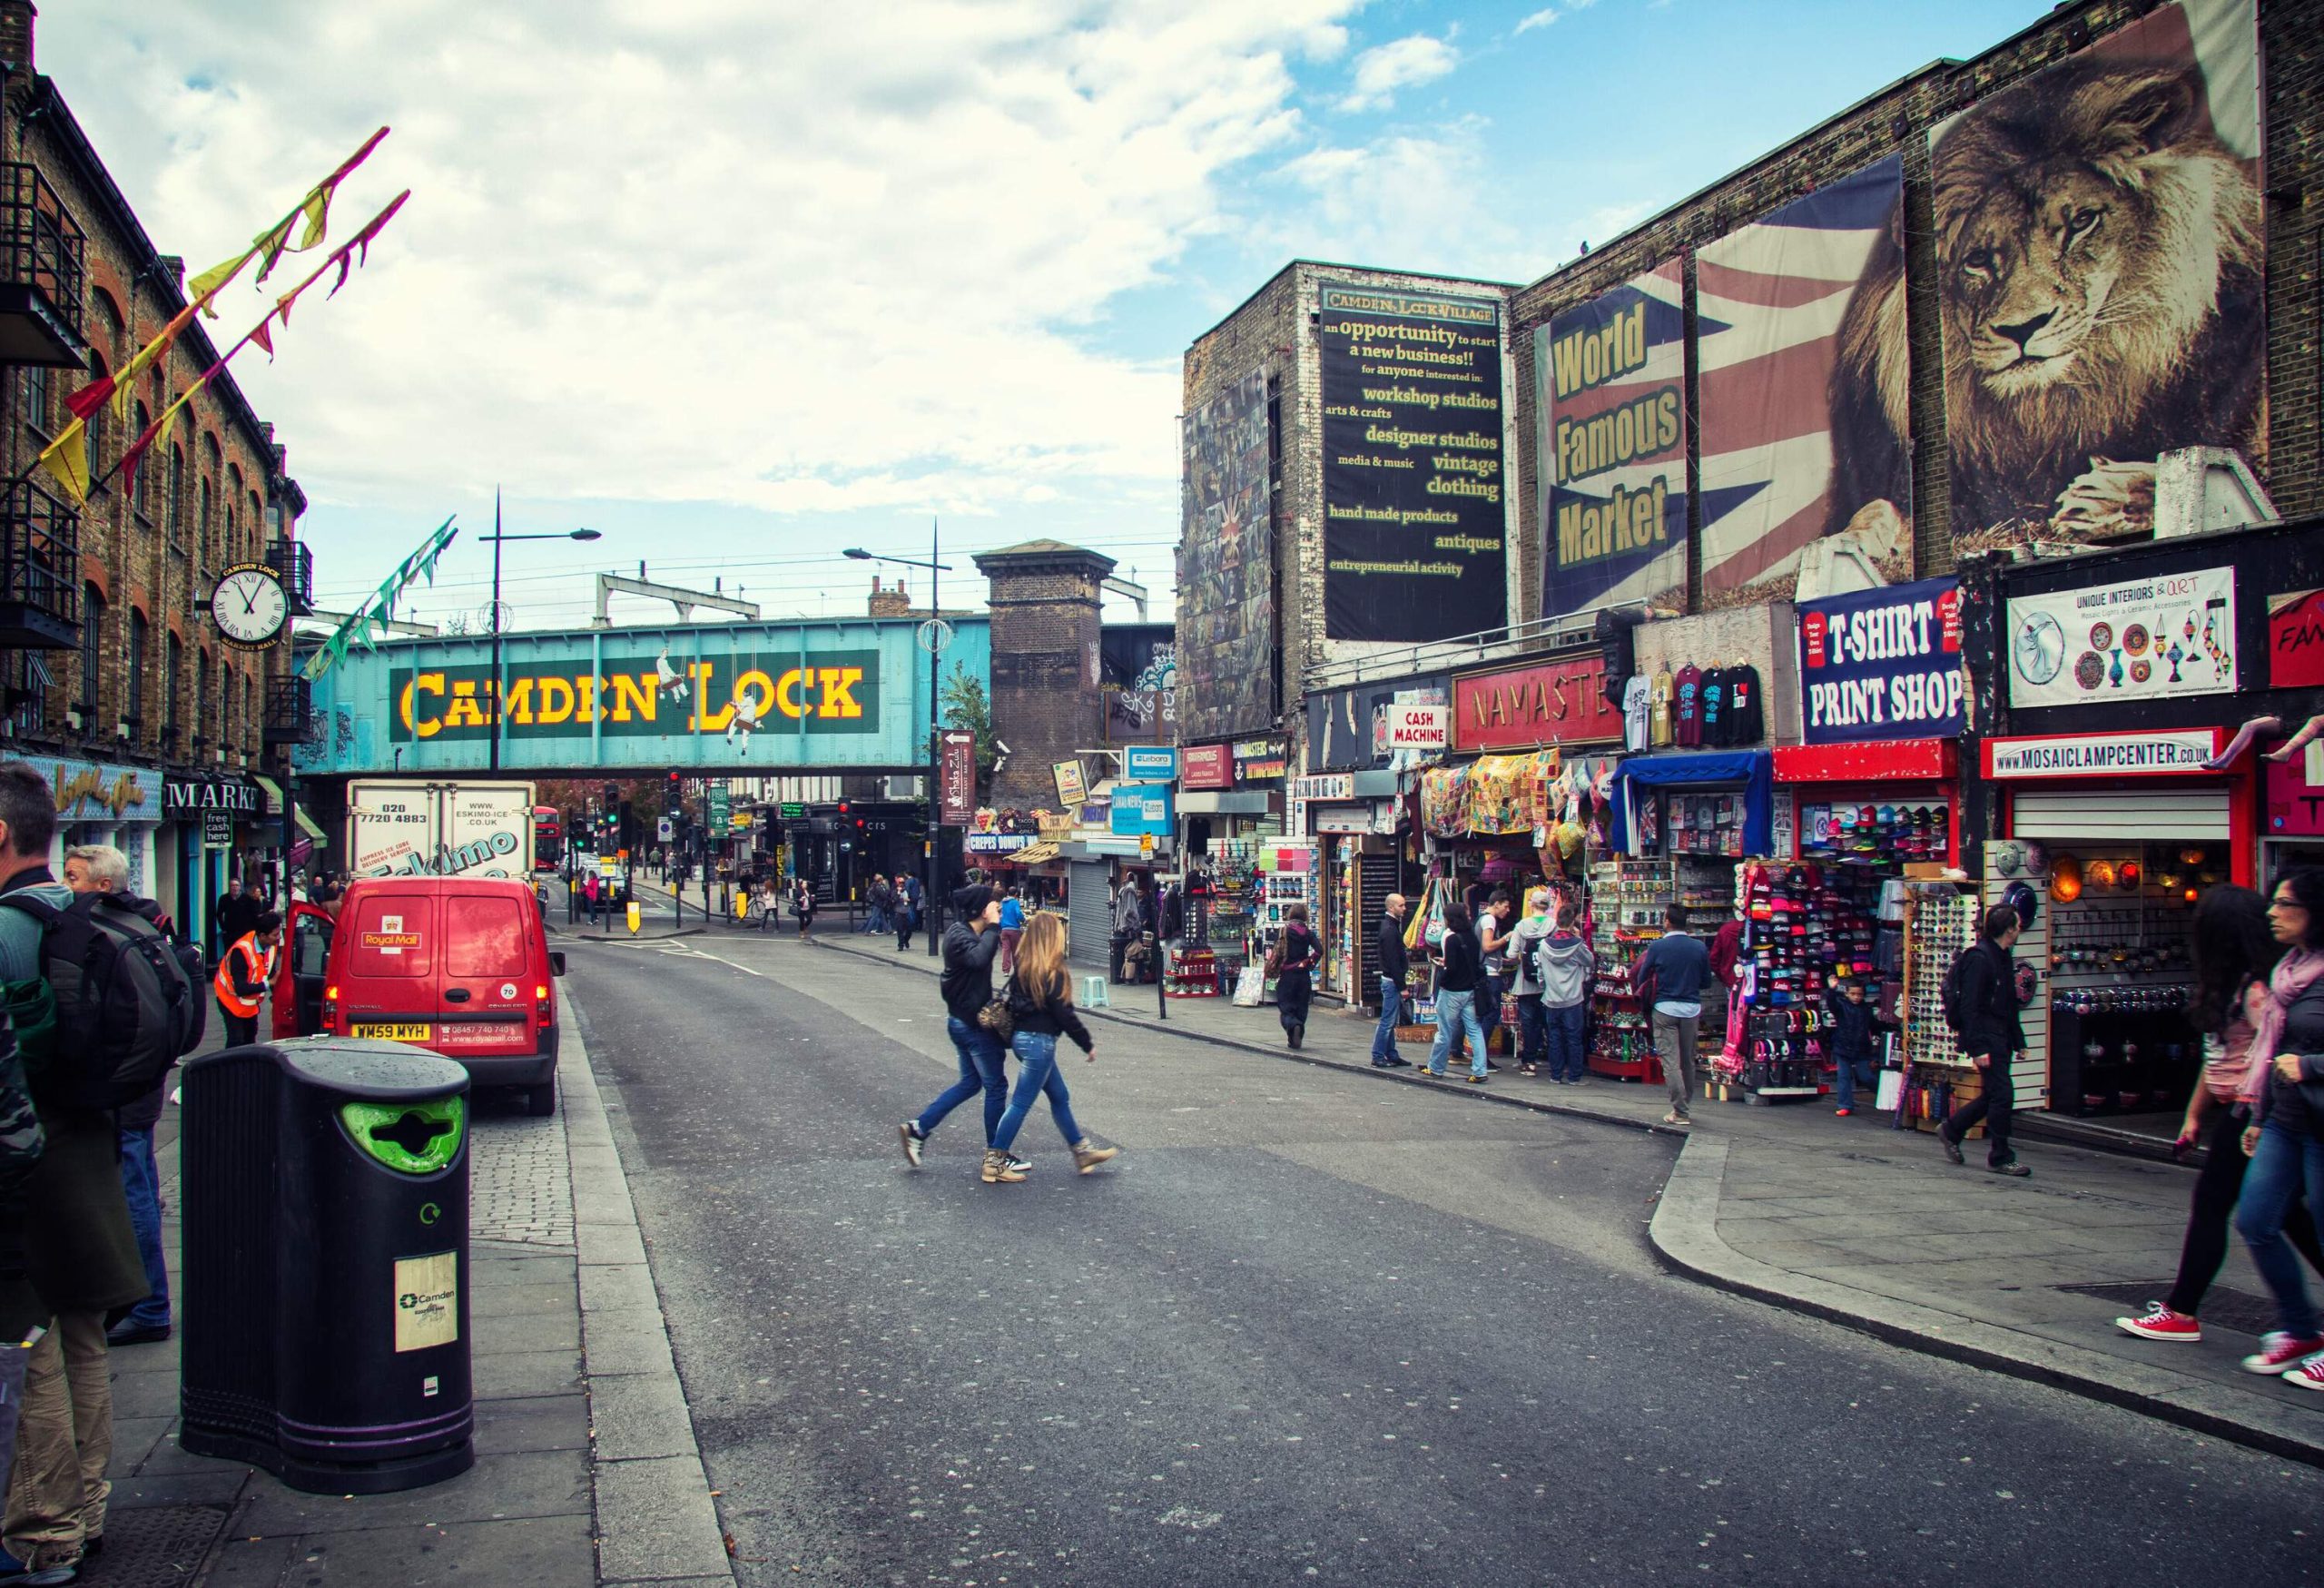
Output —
(249, 606)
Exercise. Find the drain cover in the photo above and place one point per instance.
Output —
(154, 1546)
(2223, 1308)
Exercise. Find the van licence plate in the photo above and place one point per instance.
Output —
(418, 1033)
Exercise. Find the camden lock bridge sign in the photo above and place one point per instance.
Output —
(779, 695)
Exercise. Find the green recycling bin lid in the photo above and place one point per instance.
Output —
(415, 1137)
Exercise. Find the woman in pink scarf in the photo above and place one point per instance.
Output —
(2285, 1089)
(2235, 954)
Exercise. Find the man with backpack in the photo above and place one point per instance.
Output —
(100, 868)
(81, 983)
(1563, 969)
(242, 978)
(1981, 1003)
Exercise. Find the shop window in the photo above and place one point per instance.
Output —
(134, 706)
(175, 650)
(92, 628)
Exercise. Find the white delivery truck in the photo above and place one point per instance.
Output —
(411, 827)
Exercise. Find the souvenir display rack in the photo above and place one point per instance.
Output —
(1940, 921)
(1628, 899)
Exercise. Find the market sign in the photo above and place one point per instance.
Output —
(1881, 664)
(957, 761)
(1150, 762)
(1206, 766)
(2119, 754)
(1260, 760)
(1070, 789)
(997, 843)
(2295, 640)
(1140, 808)
(1419, 727)
(185, 796)
(2144, 639)
(1524, 708)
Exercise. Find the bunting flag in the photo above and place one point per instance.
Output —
(66, 458)
(270, 245)
(379, 606)
(345, 257)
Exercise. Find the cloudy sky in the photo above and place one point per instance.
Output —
(742, 283)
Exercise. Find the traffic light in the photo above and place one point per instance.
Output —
(611, 796)
(842, 807)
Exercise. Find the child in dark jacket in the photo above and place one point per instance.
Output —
(1849, 1041)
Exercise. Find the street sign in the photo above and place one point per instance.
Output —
(664, 830)
(1145, 843)
(957, 800)
(792, 811)
(719, 807)
(216, 829)
(1150, 762)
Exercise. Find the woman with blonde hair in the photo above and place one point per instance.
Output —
(1041, 1006)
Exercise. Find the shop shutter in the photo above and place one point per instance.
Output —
(1089, 921)
(2127, 814)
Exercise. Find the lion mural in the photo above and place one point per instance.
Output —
(2100, 293)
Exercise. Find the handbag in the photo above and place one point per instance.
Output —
(996, 1015)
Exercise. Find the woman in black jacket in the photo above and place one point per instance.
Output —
(1041, 1006)
(1460, 971)
(1298, 954)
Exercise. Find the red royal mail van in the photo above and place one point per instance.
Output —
(460, 965)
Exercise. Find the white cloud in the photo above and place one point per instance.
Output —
(1403, 63)
(794, 257)
(1419, 200)
(1541, 18)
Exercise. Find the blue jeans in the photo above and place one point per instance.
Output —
(1532, 1028)
(1853, 1071)
(2286, 1158)
(1391, 1010)
(1457, 1008)
(141, 1183)
(1036, 1076)
(1565, 1040)
(982, 1062)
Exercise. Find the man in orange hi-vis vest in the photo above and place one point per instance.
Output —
(242, 977)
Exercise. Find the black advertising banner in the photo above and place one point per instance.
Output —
(1415, 529)
(1226, 568)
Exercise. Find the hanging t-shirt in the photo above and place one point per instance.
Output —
(1635, 710)
(1661, 727)
(1686, 706)
(1714, 706)
(1748, 722)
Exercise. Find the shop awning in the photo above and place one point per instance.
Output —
(1876, 761)
(307, 824)
(1752, 769)
(1032, 855)
(272, 790)
(1225, 802)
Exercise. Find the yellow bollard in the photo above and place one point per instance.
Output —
(633, 918)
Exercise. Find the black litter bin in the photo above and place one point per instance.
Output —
(324, 1315)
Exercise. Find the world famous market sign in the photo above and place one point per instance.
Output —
(820, 695)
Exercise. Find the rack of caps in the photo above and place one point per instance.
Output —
(1853, 833)
(1804, 926)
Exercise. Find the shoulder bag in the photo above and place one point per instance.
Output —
(995, 1016)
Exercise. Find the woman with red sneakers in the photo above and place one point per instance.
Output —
(2234, 955)
(2284, 1086)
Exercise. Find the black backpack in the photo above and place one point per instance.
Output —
(127, 995)
(1956, 1010)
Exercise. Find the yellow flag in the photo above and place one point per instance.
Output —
(67, 460)
(206, 286)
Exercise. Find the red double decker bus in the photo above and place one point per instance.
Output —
(549, 838)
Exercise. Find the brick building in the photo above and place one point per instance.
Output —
(111, 664)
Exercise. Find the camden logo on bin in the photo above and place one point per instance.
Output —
(822, 691)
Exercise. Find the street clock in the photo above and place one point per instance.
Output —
(250, 608)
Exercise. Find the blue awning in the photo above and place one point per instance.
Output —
(1752, 769)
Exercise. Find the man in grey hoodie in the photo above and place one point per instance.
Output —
(1525, 938)
(1564, 968)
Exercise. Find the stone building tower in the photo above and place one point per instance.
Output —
(1046, 701)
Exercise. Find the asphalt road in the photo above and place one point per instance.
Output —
(1308, 1327)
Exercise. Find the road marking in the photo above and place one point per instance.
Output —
(684, 953)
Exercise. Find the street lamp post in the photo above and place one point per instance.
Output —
(935, 731)
(501, 683)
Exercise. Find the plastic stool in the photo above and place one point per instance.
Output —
(1093, 993)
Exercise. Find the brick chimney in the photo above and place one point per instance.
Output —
(16, 33)
(892, 603)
